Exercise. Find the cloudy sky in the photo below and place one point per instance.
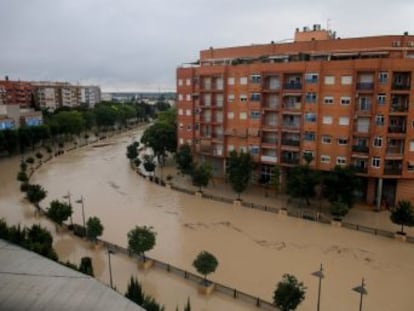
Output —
(133, 45)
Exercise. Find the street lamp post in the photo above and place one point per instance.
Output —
(83, 213)
(319, 274)
(110, 268)
(362, 291)
(67, 197)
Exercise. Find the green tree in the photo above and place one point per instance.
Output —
(141, 240)
(149, 164)
(132, 152)
(239, 171)
(275, 179)
(94, 228)
(340, 185)
(184, 159)
(205, 263)
(301, 181)
(22, 176)
(150, 304)
(35, 194)
(134, 291)
(59, 211)
(289, 293)
(201, 175)
(39, 240)
(160, 137)
(403, 215)
(39, 156)
(86, 266)
(338, 209)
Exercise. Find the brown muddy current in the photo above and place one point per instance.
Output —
(254, 248)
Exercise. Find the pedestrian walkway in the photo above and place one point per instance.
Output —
(361, 214)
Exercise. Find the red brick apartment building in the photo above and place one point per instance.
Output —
(345, 101)
(16, 93)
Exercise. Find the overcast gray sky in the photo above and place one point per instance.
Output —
(126, 45)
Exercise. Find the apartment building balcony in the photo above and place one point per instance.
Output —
(397, 129)
(292, 104)
(291, 122)
(360, 149)
(271, 83)
(271, 102)
(217, 137)
(393, 167)
(365, 86)
(363, 106)
(268, 159)
(360, 166)
(290, 157)
(395, 147)
(271, 141)
(401, 81)
(290, 142)
(205, 120)
(292, 82)
(399, 103)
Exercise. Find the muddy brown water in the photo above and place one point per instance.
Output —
(254, 248)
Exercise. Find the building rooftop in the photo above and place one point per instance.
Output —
(29, 281)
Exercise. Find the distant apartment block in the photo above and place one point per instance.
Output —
(12, 117)
(345, 101)
(47, 95)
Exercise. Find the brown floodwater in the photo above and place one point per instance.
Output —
(254, 248)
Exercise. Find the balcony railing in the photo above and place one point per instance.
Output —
(399, 108)
(365, 85)
(401, 86)
(392, 171)
(270, 141)
(290, 160)
(290, 142)
(292, 86)
(360, 148)
(266, 158)
(397, 129)
(360, 169)
(291, 125)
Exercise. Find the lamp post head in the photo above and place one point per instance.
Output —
(361, 289)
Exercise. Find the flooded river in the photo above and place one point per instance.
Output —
(254, 248)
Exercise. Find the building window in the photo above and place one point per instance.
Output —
(310, 97)
(343, 121)
(255, 78)
(310, 153)
(383, 77)
(328, 100)
(381, 98)
(310, 117)
(181, 140)
(255, 97)
(410, 166)
(180, 82)
(188, 97)
(346, 80)
(188, 82)
(243, 98)
(327, 120)
(345, 100)
(329, 80)
(377, 142)
(243, 115)
(188, 112)
(189, 142)
(311, 77)
(379, 120)
(242, 149)
(254, 115)
(230, 148)
(376, 162)
(325, 158)
(181, 126)
(341, 160)
(342, 141)
(243, 80)
(309, 136)
(189, 127)
(254, 149)
(230, 81)
(180, 97)
(230, 115)
(230, 98)
(180, 112)
(412, 145)
(326, 139)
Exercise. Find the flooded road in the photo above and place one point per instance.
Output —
(254, 248)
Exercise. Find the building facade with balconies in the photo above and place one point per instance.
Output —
(345, 101)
